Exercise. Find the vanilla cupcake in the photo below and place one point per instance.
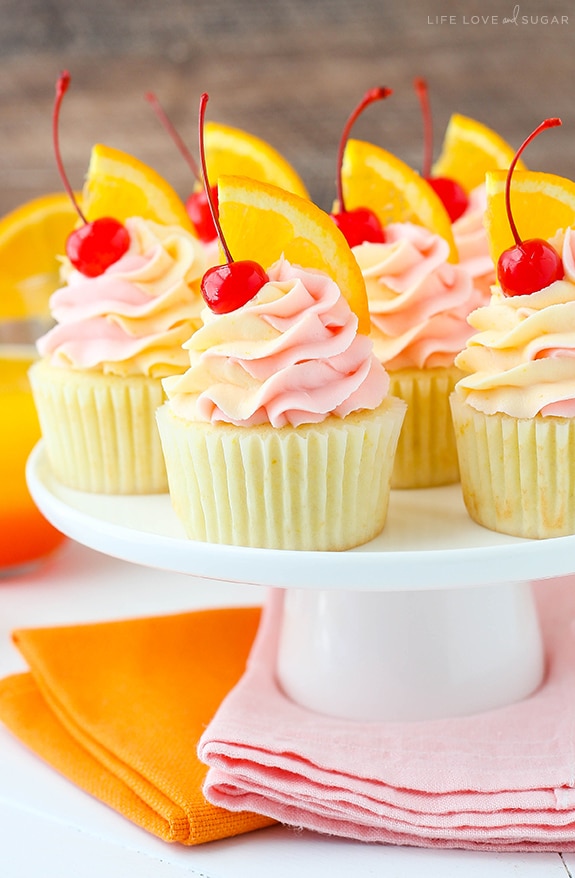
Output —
(514, 411)
(116, 336)
(419, 303)
(282, 432)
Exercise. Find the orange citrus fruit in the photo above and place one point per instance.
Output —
(375, 178)
(263, 222)
(121, 186)
(231, 151)
(469, 150)
(541, 204)
(31, 238)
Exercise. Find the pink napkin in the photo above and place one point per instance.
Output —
(500, 780)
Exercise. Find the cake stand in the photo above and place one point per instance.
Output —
(433, 618)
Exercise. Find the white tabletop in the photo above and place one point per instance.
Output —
(50, 828)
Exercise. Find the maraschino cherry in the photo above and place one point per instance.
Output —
(226, 287)
(96, 245)
(197, 205)
(452, 195)
(360, 224)
(529, 265)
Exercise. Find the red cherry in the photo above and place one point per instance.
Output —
(198, 208)
(197, 205)
(451, 193)
(226, 287)
(529, 265)
(361, 224)
(96, 245)
(453, 196)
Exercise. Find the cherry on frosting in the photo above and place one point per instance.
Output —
(226, 287)
(96, 245)
(452, 195)
(197, 205)
(529, 265)
(360, 224)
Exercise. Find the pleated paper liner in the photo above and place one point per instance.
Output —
(313, 487)
(517, 474)
(426, 452)
(100, 430)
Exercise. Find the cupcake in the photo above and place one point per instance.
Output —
(471, 242)
(514, 411)
(419, 297)
(282, 432)
(514, 408)
(98, 381)
(419, 304)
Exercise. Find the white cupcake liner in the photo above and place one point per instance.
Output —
(315, 487)
(517, 474)
(426, 452)
(100, 430)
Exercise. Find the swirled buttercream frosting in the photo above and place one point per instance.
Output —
(471, 242)
(521, 360)
(418, 301)
(291, 355)
(134, 318)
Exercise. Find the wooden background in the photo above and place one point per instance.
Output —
(287, 70)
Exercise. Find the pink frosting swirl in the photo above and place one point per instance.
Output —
(135, 317)
(471, 241)
(418, 301)
(292, 355)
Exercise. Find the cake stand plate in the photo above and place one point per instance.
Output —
(433, 618)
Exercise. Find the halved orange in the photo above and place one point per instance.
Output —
(375, 178)
(263, 222)
(469, 150)
(121, 186)
(31, 238)
(541, 204)
(231, 151)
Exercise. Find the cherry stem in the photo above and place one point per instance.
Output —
(372, 95)
(61, 89)
(547, 123)
(422, 91)
(204, 166)
(170, 128)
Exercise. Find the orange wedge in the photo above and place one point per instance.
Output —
(121, 186)
(470, 149)
(262, 222)
(374, 178)
(231, 151)
(31, 238)
(541, 205)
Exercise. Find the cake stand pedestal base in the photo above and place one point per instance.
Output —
(410, 655)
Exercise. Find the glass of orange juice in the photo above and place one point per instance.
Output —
(25, 535)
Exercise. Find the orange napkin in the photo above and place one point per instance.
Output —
(119, 707)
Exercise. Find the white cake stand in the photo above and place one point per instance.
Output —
(433, 618)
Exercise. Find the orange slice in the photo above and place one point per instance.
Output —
(541, 205)
(121, 186)
(262, 222)
(31, 238)
(470, 149)
(231, 151)
(374, 178)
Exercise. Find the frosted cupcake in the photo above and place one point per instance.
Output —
(419, 304)
(514, 409)
(99, 379)
(281, 434)
(472, 245)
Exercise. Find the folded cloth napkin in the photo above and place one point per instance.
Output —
(499, 780)
(119, 707)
